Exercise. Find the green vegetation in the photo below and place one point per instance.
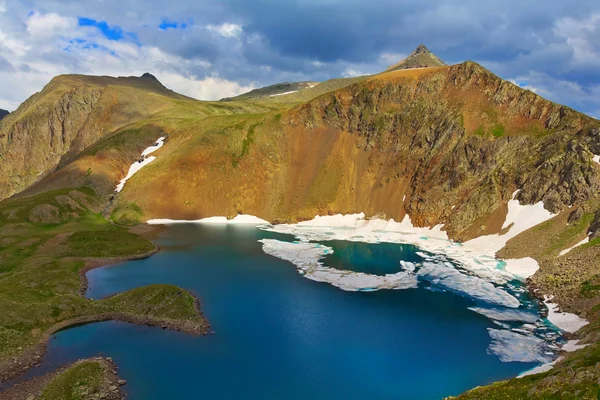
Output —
(576, 378)
(40, 285)
(94, 244)
(77, 382)
(498, 130)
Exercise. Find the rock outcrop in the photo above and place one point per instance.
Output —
(420, 58)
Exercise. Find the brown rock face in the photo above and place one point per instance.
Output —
(70, 114)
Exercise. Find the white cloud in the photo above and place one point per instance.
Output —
(226, 30)
(581, 35)
(351, 73)
(210, 88)
(49, 25)
(2, 7)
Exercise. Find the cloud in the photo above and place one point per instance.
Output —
(49, 25)
(229, 45)
(226, 30)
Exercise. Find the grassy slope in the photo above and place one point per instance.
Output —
(40, 283)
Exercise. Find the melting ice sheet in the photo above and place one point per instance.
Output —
(521, 335)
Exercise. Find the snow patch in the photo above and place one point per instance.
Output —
(540, 368)
(241, 219)
(565, 251)
(281, 94)
(136, 166)
(519, 219)
(572, 345)
(596, 159)
(565, 321)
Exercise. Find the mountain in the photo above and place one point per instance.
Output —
(273, 90)
(420, 58)
(3, 113)
(450, 145)
(70, 114)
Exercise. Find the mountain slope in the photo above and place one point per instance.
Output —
(273, 90)
(420, 58)
(3, 113)
(446, 145)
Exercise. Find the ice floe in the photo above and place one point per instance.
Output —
(565, 251)
(145, 160)
(512, 346)
(501, 314)
(450, 278)
(565, 321)
(241, 219)
(306, 257)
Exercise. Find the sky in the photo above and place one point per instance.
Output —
(209, 49)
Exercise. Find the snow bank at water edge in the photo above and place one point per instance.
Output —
(136, 166)
(518, 219)
(565, 251)
(564, 321)
(241, 219)
(540, 368)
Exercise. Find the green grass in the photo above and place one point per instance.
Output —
(111, 243)
(497, 130)
(77, 382)
(575, 378)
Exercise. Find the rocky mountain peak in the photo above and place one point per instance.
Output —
(420, 58)
(3, 113)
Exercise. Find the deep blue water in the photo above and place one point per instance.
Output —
(281, 336)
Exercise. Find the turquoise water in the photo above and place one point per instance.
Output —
(278, 335)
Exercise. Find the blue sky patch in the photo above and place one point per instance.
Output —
(167, 24)
(111, 33)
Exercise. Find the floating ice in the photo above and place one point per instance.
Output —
(501, 314)
(452, 279)
(511, 346)
(306, 256)
(136, 166)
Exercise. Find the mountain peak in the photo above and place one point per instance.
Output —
(148, 75)
(420, 58)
